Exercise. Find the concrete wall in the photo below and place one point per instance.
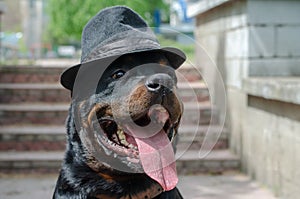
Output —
(270, 134)
(224, 36)
(270, 151)
(274, 28)
(255, 45)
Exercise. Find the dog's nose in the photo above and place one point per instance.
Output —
(159, 82)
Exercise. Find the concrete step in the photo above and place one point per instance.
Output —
(199, 113)
(192, 137)
(188, 162)
(193, 91)
(31, 160)
(32, 138)
(37, 113)
(56, 113)
(30, 74)
(216, 161)
(32, 132)
(47, 144)
(33, 92)
(54, 92)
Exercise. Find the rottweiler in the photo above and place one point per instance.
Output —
(121, 136)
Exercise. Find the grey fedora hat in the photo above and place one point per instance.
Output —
(113, 32)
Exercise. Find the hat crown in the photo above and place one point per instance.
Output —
(115, 29)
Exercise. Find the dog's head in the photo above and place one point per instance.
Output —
(127, 126)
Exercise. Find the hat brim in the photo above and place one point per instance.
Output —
(175, 57)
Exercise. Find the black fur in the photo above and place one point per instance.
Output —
(77, 180)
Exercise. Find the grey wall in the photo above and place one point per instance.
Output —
(256, 47)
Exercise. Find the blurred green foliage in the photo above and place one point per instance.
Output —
(188, 49)
(68, 17)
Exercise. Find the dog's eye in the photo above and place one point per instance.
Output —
(118, 74)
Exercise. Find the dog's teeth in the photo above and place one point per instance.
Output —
(132, 146)
(124, 142)
(122, 137)
(121, 134)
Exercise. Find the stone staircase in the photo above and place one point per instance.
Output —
(33, 109)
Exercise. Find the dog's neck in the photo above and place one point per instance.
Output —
(151, 192)
(153, 189)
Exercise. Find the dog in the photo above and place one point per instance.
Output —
(121, 132)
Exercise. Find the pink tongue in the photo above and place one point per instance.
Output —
(158, 160)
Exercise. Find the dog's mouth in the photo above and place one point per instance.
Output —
(116, 135)
(135, 143)
(122, 138)
(121, 135)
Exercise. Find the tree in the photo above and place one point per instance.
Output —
(68, 17)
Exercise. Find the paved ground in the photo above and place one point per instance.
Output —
(229, 186)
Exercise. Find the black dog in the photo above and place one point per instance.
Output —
(124, 113)
(89, 171)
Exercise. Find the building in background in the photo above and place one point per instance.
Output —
(34, 22)
(23, 24)
(255, 45)
(2, 10)
(181, 26)
(178, 12)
